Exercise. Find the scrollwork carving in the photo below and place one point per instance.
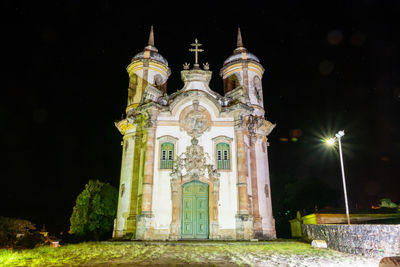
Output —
(258, 123)
(192, 164)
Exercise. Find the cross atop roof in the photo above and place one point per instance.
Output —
(196, 50)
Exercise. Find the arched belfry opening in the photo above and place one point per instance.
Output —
(231, 83)
(158, 83)
(133, 82)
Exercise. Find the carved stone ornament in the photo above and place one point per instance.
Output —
(192, 164)
(258, 123)
(196, 121)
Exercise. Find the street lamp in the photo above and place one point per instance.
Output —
(331, 142)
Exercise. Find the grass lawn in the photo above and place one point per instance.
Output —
(283, 253)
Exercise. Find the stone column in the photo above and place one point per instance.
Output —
(270, 232)
(245, 77)
(254, 188)
(244, 225)
(175, 224)
(148, 172)
(241, 172)
(145, 229)
(214, 225)
(126, 217)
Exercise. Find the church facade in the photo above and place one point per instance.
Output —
(194, 163)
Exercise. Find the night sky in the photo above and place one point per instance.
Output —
(329, 67)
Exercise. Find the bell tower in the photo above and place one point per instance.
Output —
(147, 71)
(148, 75)
(242, 74)
(243, 69)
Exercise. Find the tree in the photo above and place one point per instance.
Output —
(94, 211)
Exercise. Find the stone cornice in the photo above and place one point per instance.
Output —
(239, 64)
(124, 125)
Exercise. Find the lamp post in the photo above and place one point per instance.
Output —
(331, 141)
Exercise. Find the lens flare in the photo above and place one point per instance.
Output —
(330, 141)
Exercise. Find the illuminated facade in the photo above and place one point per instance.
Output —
(194, 163)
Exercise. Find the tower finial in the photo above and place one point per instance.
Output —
(239, 39)
(151, 36)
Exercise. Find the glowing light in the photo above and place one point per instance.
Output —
(330, 141)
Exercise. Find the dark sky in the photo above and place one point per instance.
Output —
(329, 66)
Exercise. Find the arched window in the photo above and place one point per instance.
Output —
(231, 83)
(158, 83)
(167, 155)
(132, 89)
(223, 156)
(257, 88)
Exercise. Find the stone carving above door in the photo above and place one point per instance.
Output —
(195, 119)
(192, 164)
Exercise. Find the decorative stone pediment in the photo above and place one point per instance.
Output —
(192, 164)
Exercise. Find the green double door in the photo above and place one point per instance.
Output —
(195, 210)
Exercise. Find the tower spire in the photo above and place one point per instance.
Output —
(151, 37)
(239, 39)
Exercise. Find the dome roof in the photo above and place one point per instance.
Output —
(241, 55)
(151, 53)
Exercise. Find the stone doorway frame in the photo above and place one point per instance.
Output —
(213, 198)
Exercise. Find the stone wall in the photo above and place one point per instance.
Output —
(366, 239)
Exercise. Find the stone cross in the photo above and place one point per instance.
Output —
(196, 50)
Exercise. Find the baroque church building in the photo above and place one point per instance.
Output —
(194, 163)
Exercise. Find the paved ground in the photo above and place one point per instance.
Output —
(249, 254)
(269, 253)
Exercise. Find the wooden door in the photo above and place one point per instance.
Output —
(195, 210)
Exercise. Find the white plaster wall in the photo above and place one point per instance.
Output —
(252, 94)
(263, 179)
(126, 179)
(161, 201)
(197, 85)
(162, 204)
(153, 73)
(227, 206)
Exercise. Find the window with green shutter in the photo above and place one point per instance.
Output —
(223, 160)
(167, 156)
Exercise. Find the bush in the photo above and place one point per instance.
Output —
(31, 240)
(94, 211)
(11, 227)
